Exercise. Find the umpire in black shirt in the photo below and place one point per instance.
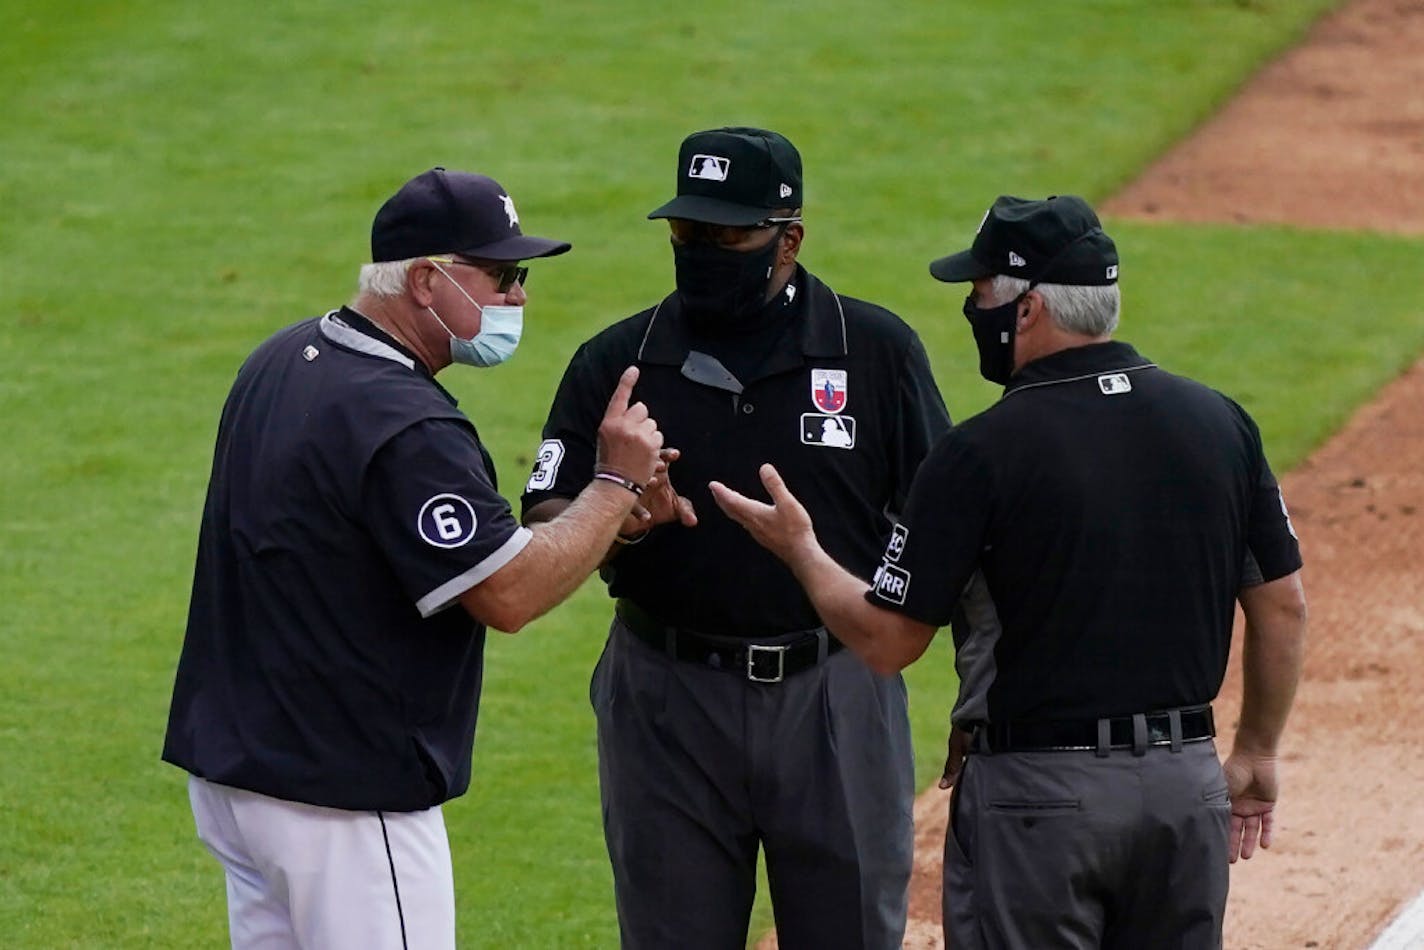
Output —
(727, 717)
(1100, 521)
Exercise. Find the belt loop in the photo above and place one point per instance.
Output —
(1104, 738)
(979, 740)
(1174, 727)
(823, 645)
(1139, 734)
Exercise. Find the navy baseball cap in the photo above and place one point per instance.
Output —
(444, 212)
(1058, 240)
(734, 176)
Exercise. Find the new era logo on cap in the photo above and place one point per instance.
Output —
(709, 167)
(785, 191)
(1015, 260)
(1112, 272)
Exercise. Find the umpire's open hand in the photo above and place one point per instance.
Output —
(628, 438)
(1251, 783)
(782, 527)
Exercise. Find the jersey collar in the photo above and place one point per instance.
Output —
(1078, 362)
(667, 340)
(356, 331)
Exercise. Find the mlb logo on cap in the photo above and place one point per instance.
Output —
(709, 167)
(735, 176)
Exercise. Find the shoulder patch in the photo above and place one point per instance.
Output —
(891, 583)
(446, 521)
(546, 465)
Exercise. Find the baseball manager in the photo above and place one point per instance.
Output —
(1105, 516)
(353, 550)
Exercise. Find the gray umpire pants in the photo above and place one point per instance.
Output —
(1069, 849)
(698, 766)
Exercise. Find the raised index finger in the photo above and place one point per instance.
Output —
(618, 404)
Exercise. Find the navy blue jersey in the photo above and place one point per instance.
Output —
(1115, 510)
(326, 658)
(835, 392)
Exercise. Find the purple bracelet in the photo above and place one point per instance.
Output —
(617, 479)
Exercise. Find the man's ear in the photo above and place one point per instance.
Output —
(1030, 309)
(790, 243)
(418, 279)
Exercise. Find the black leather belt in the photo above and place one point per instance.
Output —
(1195, 724)
(758, 662)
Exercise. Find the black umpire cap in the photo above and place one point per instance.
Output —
(734, 176)
(1058, 240)
(444, 212)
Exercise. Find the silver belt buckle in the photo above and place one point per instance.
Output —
(779, 651)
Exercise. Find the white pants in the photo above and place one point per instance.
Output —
(302, 876)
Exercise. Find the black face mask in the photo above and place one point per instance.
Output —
(994, 330)
(723, 291)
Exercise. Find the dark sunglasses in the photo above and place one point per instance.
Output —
(700, 232)
(507, 274)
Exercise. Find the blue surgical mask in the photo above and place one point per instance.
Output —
(500, 330)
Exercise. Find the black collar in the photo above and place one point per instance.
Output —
(816, 307)
(1078, 362)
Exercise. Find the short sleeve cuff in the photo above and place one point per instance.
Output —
(446, 594)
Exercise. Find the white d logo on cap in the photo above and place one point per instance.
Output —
(509, 209)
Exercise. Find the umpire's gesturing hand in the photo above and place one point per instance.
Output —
(887, 641)
(783, 527)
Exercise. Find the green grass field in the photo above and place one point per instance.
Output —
(178, 180)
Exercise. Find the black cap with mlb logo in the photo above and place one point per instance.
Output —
(734, 176)
(1058, 240)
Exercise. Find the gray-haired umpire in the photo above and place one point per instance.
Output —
(727, 718)
(1105, 516)
(353, 549)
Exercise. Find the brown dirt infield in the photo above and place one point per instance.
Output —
(1331, 135)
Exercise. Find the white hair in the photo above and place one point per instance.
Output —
(1091, 311)
(384, 278)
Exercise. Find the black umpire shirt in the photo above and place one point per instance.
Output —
(835, 392)
(1115, 511)
(350, 505)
